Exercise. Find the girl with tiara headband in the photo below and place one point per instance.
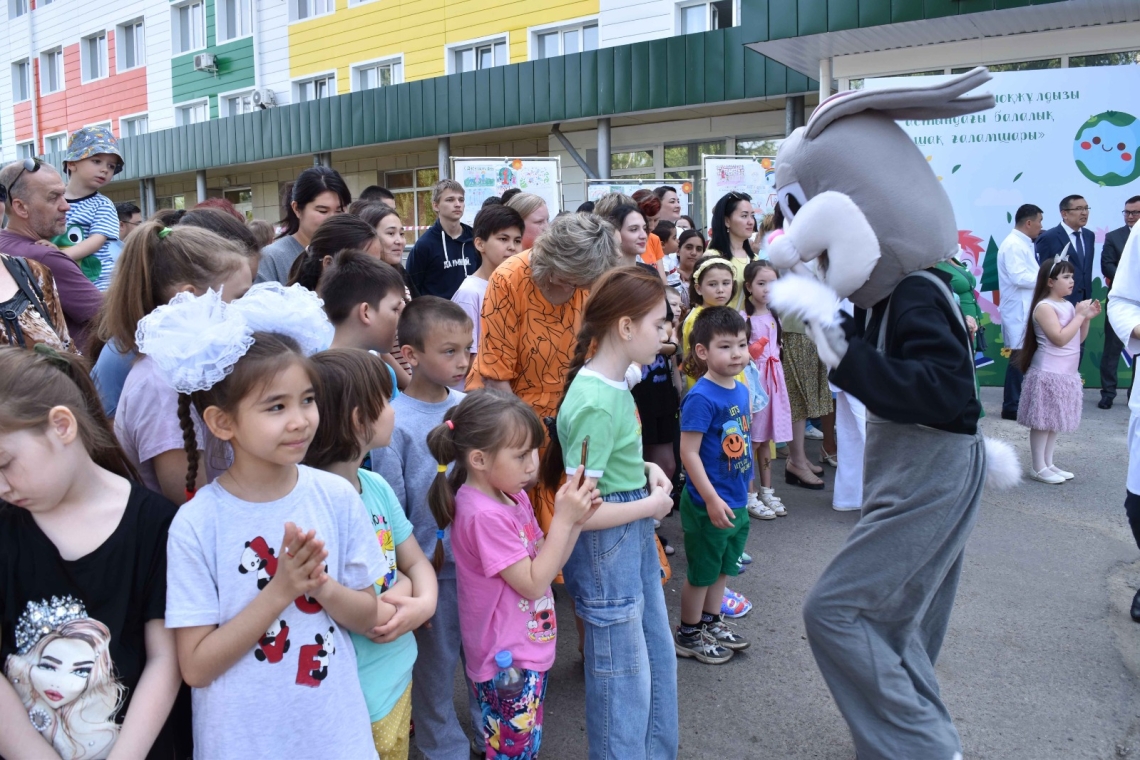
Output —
(270, 563)
(90, 668)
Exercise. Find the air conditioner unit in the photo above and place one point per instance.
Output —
(205, 62)
(264, 98)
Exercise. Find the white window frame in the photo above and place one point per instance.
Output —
(179, 107)
(62, 136)
(449, 51)
(535, 32)
(683, 4)
(221, 28)
(295, 16)
(393, 61)
(17, 8)
(176, 28)
(297, 84)
(224, 102)
(27, 80)
(125, 120)
(26, 149)
(86, 74)
(60, 72)
(126, 30)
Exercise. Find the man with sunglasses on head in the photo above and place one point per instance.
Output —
(1109, 260)
(37, 212)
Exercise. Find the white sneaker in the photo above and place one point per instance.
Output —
(770, 500)
(761, 512)
(1058, 471)
(1047, 476)
(812, 433)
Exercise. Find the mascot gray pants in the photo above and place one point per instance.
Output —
(877, 617)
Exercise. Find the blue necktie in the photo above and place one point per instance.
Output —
(1079, 247)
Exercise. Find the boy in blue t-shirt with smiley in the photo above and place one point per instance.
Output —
(715, 417)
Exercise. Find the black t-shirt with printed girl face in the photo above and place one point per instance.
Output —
(72, 631)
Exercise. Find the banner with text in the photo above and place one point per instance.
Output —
(596, 188)
(1053, 133)
(754, 175)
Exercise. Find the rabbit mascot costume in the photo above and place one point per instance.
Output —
(866, 219)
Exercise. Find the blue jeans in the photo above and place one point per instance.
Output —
(631, 665)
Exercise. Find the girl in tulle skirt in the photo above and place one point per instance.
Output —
(1051, 395)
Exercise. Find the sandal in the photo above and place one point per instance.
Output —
(828, 459)
(793, 479)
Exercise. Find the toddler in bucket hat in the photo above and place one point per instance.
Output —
(93, 158)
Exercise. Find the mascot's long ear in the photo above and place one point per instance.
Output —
(940, 101)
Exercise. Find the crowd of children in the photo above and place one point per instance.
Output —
(281, 496)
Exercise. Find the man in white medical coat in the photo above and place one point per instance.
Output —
(1124, 315)
(1017, 275)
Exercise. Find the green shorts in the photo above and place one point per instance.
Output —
(709, 550)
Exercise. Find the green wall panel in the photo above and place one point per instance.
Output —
(512, 90)
(572, 86)
(623, 98)
(676, 71)
(639, 79)
(755, 75)
(556, 78)
(842, 16)
(606, 81)
(526, 93)
(734, 53)
(905, 10)
(483, 99)
(540, 88)
(694, 72)
(714, 66)
(235, 71)
(811, 16)
(497, 101)
(590, 84)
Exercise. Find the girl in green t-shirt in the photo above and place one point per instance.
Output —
(614, 573)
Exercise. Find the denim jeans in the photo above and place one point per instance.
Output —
(631, 665)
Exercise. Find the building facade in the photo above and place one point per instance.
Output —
(234, 97)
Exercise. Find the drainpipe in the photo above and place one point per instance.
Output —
(201, 183)
(603, 148)
(443, 149)
(151, 200)
(33, 85)
(590, 173)
(146, 212)
(793, 114)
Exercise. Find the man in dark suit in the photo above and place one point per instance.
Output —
(1109, 260)
(1082, 243)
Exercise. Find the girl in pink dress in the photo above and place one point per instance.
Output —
(1051, 395)
(772, 423)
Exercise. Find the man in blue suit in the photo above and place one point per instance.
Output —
(1071, 232)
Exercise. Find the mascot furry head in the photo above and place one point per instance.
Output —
(858, 196)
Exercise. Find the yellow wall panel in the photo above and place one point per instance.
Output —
(419, 29)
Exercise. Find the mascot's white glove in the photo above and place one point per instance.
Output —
(830, 341)
(818, 306)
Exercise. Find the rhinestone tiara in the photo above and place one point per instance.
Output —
(41, 618)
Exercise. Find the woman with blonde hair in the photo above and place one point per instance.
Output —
(536, 216)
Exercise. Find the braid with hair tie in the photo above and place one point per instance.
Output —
(189, 442)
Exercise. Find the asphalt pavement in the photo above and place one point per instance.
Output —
(1041, 661)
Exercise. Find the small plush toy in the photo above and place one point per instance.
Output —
(867, 219)
(89, 265)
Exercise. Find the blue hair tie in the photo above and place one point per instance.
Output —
(439, 534)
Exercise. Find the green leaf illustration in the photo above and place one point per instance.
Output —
(1015, 179)
(956, 168)
(1008, 217)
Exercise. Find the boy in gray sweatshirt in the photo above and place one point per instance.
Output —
(435, 338)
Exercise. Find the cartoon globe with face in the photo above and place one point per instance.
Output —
(1106, 148)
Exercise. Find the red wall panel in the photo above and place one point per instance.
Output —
(78, 104)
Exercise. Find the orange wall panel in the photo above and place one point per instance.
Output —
(80, 104)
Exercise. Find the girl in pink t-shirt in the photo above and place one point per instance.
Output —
(503, 563)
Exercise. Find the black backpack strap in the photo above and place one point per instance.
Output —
(25, 279)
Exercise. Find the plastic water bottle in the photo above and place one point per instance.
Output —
(509, 681)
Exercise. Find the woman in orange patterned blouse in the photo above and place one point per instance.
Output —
(531, 312)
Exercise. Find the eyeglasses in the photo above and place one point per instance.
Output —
(131, 224)
(1079, 208)
(1127, 213)
(31, 166)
